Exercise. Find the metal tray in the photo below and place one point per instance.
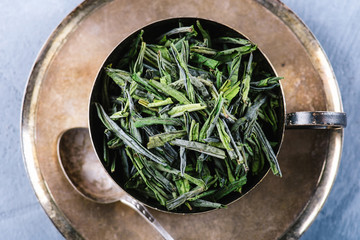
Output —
(57, 94)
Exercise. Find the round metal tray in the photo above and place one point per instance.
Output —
(57, 94)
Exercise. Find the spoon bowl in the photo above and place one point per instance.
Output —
(82, 168)
(90, 179)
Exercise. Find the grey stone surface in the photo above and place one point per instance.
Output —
(25, 26)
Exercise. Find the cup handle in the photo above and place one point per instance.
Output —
(316, 120)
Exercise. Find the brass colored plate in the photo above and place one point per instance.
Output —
(57, 97)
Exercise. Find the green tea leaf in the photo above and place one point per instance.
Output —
(169, 91)
(160, 103)
(181, 109)
(128, 140)
(142, 122)
(160, 139)
(200, 147)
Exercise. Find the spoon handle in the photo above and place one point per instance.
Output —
(140, 208)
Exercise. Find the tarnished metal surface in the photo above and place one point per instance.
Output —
(57, 96)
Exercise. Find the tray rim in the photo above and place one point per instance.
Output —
(58, 37)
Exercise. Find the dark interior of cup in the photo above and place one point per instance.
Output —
(152, 32)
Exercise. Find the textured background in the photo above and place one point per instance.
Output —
(25, 26)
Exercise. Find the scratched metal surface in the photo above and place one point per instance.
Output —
(26, 25)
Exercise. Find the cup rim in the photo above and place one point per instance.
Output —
(281, 121)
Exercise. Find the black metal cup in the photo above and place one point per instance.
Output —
(299, 120)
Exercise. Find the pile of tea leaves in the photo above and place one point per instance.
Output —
(189, 118)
